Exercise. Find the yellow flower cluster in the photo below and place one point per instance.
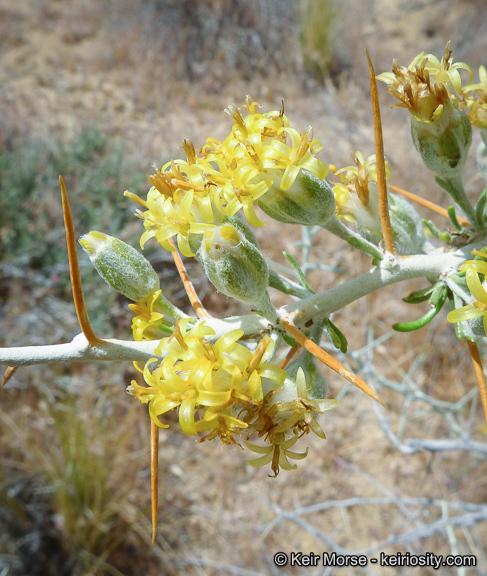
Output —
(223, 389)
(190, 196)
(472, 269)
(209, 383)
(427, 85)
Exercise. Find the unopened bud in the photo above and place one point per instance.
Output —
(308, 201)
(234, 265)
(120, 265)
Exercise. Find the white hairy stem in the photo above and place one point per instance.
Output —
(390, 271)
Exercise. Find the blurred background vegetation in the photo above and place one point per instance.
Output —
(99, 91)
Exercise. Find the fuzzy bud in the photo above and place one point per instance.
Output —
(234, 265)
(308, 201)
(120, 265)
(443, 142)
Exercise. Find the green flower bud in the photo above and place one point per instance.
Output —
(234, 265)
(120, 265)
(309, 201)
(443, 143)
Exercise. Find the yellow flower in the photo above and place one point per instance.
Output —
(147, 322)
(445, 71)
(423, 87)
(473, 268)
(277, 453)
(208, 383)
(179, 202)
(283, 411)
(190, 196)
(356, 194)
(475, 107)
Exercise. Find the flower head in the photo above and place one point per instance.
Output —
(188, 197)
(425, 86)
(356, 193)
(284, 416)
(208, 383)
(181, 202)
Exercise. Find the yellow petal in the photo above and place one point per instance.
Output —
(186, 416)
(466, 313)
(475, 286)
(289, 176)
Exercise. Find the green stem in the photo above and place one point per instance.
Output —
(287, 286)
(169, 308)
(336, 227)
(454, 187)
(267, 308)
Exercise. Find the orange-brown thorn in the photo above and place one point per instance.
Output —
(479, 372)
(331, 362)
(381, 165)
(74, 272)
(428, 204)
(9, 372)
(154, 475)
(188, 285)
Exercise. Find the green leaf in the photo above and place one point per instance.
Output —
(336, 336)
(437, 300)
(443, 236)
(419, 296)
(298, 271)
(453, 217)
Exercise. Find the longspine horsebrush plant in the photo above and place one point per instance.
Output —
(240, 378)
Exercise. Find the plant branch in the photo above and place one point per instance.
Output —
(318, 305)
